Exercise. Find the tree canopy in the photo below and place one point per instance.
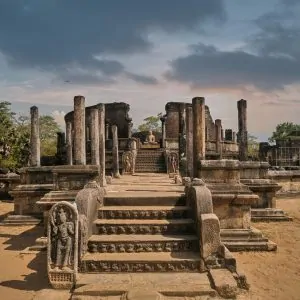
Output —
(151, 123)
(15, 137)
(283, 130)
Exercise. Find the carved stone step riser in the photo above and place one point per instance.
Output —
(112, 267)
(138, 247)
(142, 229)
(153, 215)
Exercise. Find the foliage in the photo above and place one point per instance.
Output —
(15, 137)
(151, 123)
(282, 130)
(253, 146)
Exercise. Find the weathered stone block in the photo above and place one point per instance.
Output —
(224, 283)
(210, 235)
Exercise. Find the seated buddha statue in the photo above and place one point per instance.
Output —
(150, 139)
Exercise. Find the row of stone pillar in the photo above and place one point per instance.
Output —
(75, 136)
(195, 135)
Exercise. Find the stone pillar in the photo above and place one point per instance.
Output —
(79, 131)
(198, 131)
(218, 126)
(234, 136)
(130, 125)
(182, 140)
(189, 140)
(60, 146)
(101, 115)
(106, 131)
(94, 135)
(115, 151)
(242, 135)
(35, 146)
(163, 131)
(69, 143)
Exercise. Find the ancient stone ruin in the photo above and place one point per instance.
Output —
(146, 216)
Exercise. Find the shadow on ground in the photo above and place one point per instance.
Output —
(23, 240)
(34, 281)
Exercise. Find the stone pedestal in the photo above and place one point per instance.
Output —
(35, 182)
(254, 175)
(232, 203)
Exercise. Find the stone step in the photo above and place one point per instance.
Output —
(185, 285)
(115, 226)
(237, 246)
(18, 220)
(140, 198)
(144, 212)
(140, 262)
(142, 243)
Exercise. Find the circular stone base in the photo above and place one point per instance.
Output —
(142, 294)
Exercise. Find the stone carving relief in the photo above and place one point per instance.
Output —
(62, 250)
(172, 158)
(127, 160)
(143, 247)
(145, 229)
(99, 266)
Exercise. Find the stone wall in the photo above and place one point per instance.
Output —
(288, 180)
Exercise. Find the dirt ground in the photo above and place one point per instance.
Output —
(272, 275)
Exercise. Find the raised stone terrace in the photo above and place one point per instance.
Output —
(145, 241)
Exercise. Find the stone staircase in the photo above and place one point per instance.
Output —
(133, 234)
(150, 161)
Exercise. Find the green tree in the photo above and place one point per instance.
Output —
(253, 146)
(48, 135)
(151, 123)
(282, 130)
(15, 137)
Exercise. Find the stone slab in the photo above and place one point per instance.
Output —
(175, 284)
(224, 282)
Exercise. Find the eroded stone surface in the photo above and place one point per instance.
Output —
(224, 283)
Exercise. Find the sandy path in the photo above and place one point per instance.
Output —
(271, 275)
(276, 275)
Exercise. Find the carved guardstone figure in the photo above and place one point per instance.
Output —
(63, 233)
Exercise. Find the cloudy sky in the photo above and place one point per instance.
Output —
(147, 53)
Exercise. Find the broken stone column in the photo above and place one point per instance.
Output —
(242, 135)
(79, 131)
(234, 136)
(163, 131)
(106, 131)
(115, 151)
(218, 126)
(182, 140)
(94, 134)
(198, 131)
(35, 147)
(189, 140)
(101, 115)
(69, 143)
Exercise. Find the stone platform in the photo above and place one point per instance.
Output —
(114, 286)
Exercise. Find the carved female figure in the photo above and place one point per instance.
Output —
(63, 232)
